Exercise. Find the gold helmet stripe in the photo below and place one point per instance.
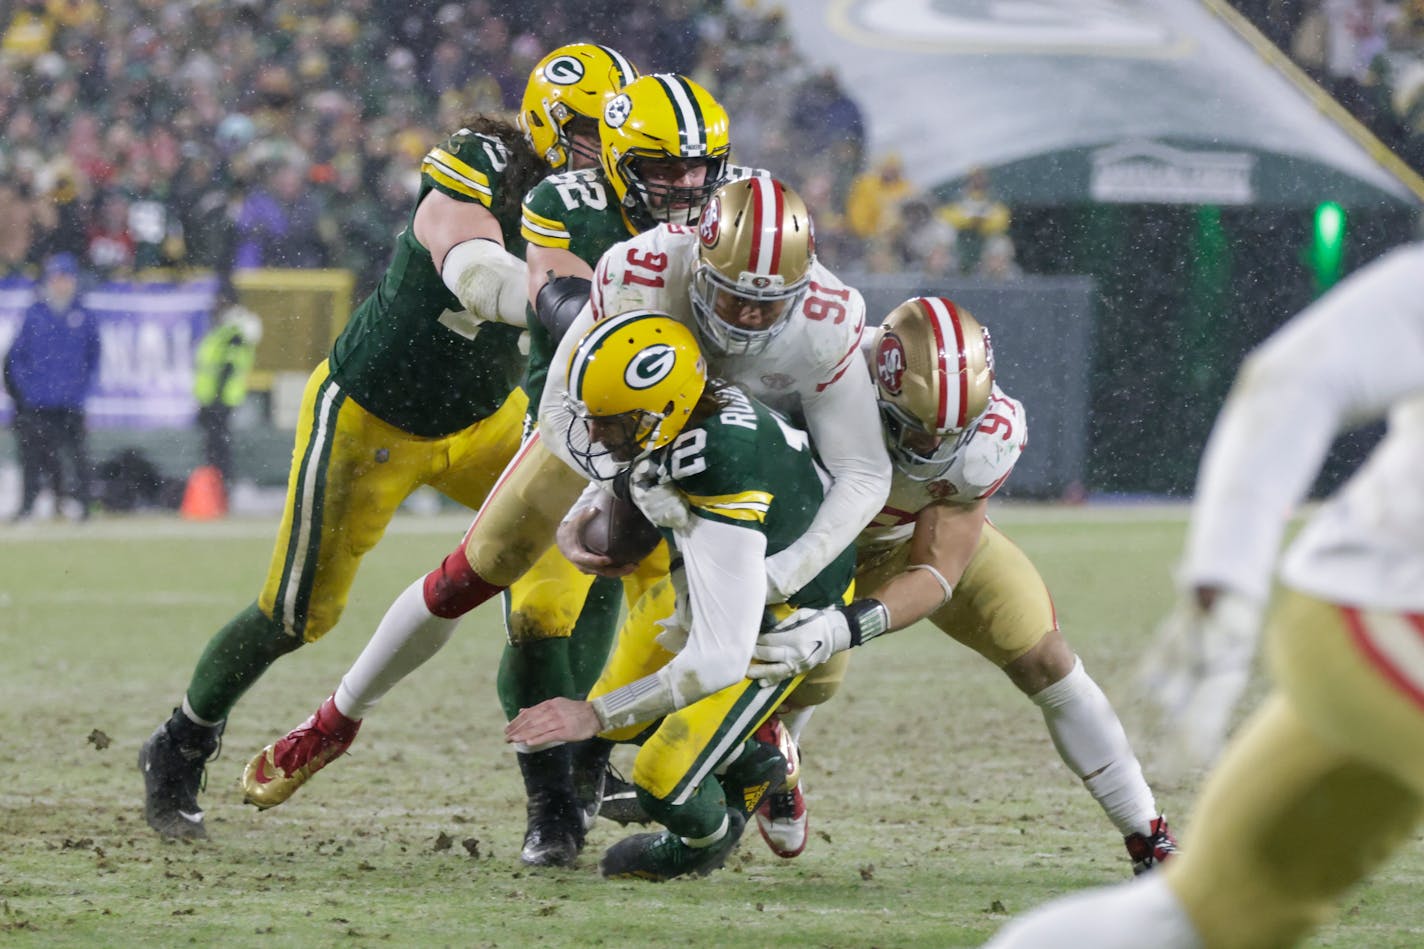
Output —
(690, 126)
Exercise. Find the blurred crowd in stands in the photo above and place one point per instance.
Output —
(149, 137)
(1368, 54)
(154, 136)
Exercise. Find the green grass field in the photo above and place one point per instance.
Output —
(938, 805)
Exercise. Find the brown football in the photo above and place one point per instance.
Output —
(619, 531)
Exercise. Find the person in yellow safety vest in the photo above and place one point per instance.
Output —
(223, 365)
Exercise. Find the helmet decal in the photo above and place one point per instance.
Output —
(890, 363)
(650, 366)
(563, 70)
(708, 229)
(617, 110)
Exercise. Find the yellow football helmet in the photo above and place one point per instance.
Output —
(632, 384)
(663, 117)
(754, 253)
(934, 369)
(572, 83)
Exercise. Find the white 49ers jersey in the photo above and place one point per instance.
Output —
(653, 271)
(1355, 354)
(977, 470)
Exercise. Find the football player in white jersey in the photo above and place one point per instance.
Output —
(774, 321)
(931, 553)
(1327, 777)
(769, 316)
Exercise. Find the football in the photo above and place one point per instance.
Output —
(619, 531)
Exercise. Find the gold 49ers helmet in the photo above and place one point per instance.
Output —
(633, 382)
(573, 82)
(755, 248)
(663, 117)
(934, 369)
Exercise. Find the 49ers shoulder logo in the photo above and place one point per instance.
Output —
(650, 366)
(890, 363)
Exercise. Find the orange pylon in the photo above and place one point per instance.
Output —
(205, 498)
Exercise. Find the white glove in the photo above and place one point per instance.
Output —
(799, 643)
(1196, 671)
(659, 501)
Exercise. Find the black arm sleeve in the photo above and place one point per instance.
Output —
(559, 302)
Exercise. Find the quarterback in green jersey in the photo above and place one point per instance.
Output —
(420, 388)
(639, 391)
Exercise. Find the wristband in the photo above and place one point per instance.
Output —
(867, 618)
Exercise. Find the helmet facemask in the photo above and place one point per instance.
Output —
(603, 445)
(668, 203)
(714, 293)
(902, 430)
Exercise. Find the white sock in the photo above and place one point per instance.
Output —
(794, 720)
(711, 838)
(1126, 916)
(192, 716)
(1090, 740)
(408, 635)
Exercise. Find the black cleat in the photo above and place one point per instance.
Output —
(553, 835)
(620, 800)
(758, 771)
(174, 765)
(663, 856)
(589, 770)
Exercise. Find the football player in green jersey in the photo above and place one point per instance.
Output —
(639, 391)
(664, 142)
(420, 388)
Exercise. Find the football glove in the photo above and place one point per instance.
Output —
(807, 638)
(659, 501)
(1196, 671)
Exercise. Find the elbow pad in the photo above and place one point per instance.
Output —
(488, 281)
(559, 303)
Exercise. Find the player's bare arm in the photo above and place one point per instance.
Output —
(549, 263)
(945, 538)
(467, 247)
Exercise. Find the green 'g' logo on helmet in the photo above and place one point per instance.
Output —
(650, 366)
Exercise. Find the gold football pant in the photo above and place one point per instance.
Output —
(511, 543)
(350, 472)
(682, 749)
(1001, 607)
(1322, 784)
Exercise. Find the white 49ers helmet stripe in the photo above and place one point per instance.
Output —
(938, 312)
(766, 226)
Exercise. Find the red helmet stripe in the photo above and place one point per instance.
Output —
(766, 223)
(963, 374)
(930, 307)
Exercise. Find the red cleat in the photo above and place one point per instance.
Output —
(277, 771)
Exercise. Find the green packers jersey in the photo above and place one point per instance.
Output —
(749, 467)
(574, 211)
(411, 355)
